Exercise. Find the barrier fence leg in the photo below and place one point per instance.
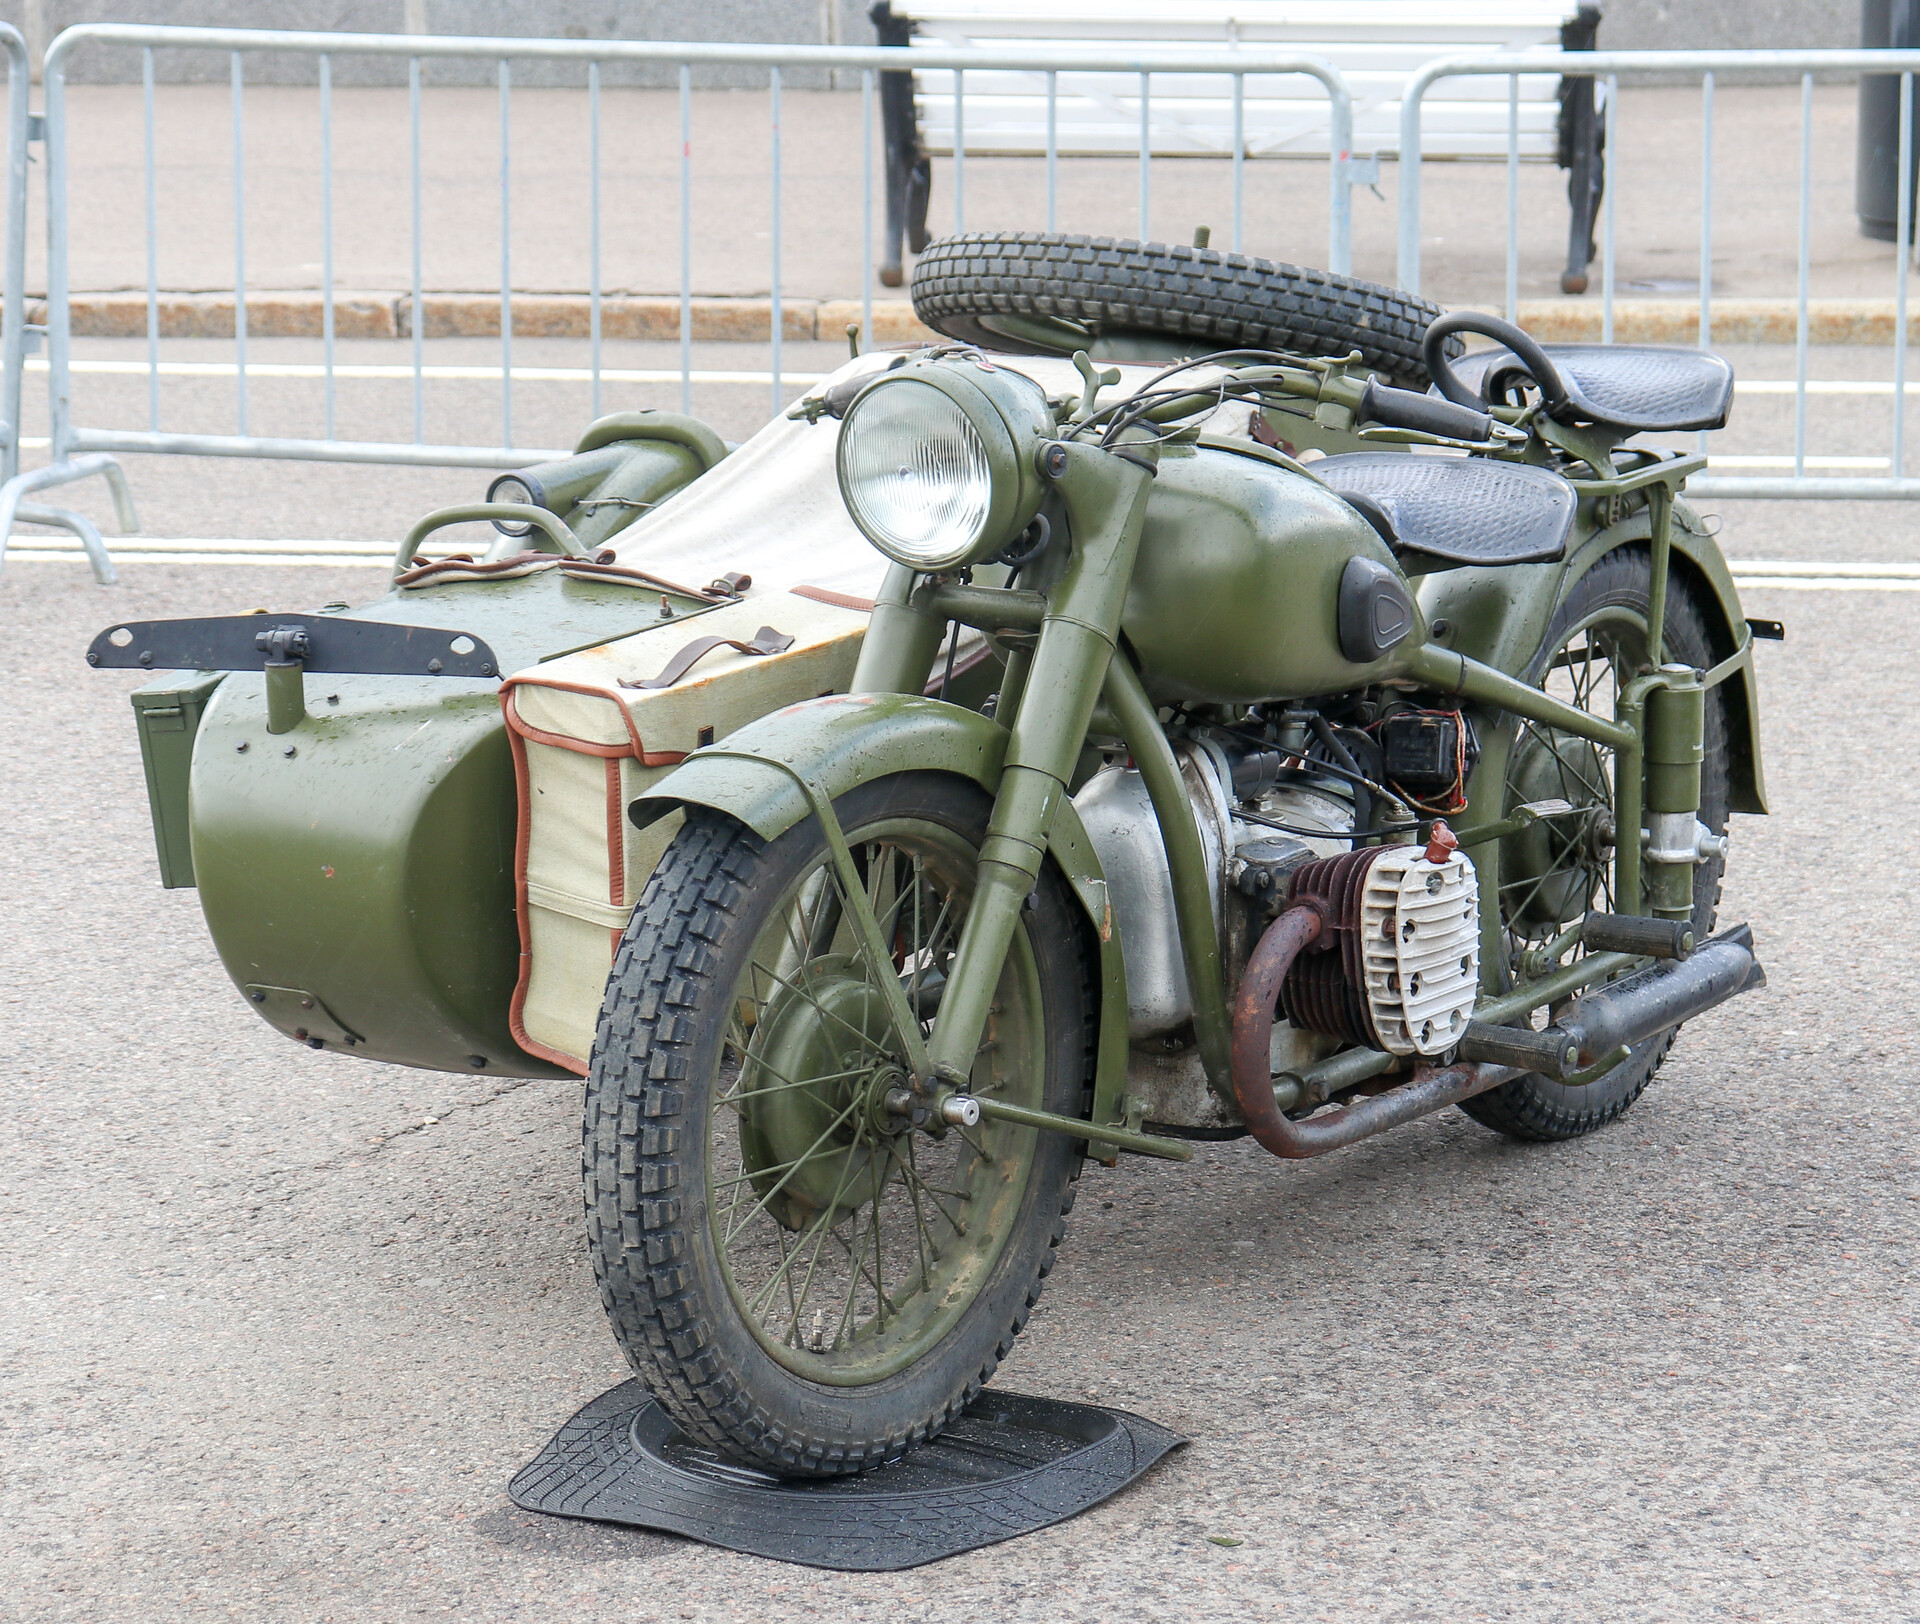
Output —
(15, 508)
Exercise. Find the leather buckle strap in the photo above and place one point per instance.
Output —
(764, 641)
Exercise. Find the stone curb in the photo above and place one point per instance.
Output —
(657, 318)
(1735, 321)
(460, 315)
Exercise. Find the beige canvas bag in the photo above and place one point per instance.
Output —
(585, 743)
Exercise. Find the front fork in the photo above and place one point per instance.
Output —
(1047, 714)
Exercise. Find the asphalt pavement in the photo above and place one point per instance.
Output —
(277, 1326)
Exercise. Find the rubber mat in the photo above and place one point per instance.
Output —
(1010, 1465)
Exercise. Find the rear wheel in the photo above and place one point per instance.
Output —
(1037, 293)
(1553, 871)
(805, 1282)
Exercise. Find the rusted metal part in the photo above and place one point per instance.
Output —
(1322, 992)
(1429, 1089)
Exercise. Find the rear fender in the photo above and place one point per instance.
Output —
(1697, 557)
(841, 741)
(1499, 615)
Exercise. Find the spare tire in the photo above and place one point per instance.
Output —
(1033, 292)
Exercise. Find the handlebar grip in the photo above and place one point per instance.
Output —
(1407, 409)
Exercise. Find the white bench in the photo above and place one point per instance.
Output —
(1377, 45)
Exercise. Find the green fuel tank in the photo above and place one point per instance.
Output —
(1236, 595)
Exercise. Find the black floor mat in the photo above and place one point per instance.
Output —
(1010, 1465)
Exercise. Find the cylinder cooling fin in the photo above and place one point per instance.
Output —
(1397, 966)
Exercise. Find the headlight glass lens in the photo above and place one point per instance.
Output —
(915, 474)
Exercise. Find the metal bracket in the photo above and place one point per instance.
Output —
(36, 127)
(854, 896)
(321, 643)
(302, 1016)
(1359, 171)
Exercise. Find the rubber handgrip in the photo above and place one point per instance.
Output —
(1407, 409)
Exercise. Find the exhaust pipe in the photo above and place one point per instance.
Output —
(1608, 1019)
(1427, 1090)
(1601, 1022)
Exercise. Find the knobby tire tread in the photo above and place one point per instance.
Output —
(632, 1158)
(1115, 285)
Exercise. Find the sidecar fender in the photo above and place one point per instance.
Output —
(841, 741)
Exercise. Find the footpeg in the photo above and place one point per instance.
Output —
(1638, 935)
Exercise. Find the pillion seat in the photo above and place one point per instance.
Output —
(1638, 388)
(1441, 511)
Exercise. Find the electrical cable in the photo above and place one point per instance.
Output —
(1324, 834)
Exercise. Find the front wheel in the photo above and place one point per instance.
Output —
(805, 1282)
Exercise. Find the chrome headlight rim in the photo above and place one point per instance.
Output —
(1008, 447)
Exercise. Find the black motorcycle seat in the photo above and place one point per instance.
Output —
(1449, 510)
(1641, 388)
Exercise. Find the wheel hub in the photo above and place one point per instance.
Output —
(1550, 868)
(813, 1114)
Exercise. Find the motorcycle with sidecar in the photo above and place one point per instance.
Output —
(1093, 740)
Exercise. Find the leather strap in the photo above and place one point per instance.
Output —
(589, 569)
(765, 641)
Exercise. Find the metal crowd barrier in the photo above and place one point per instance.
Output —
(1608, 66)
(14, 486)
(79, 450)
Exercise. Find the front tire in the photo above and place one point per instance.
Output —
(805, 1284)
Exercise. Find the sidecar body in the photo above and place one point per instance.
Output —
(370, 877)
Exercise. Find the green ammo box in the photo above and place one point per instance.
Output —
(168, 713)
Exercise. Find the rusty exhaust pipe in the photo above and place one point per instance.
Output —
(1429, 1089)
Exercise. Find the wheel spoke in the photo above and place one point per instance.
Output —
(923, 1236)
(800, 990)
(1597, 791)
(933, 1193)
(798, 1162)
(786, 1083)
(820, 1225)
(1584, 673)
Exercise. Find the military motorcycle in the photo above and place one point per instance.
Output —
(1238, 744)
(1315, 795)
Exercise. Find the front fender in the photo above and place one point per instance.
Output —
(841, 741)
(836, 743)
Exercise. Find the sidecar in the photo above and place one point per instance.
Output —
(367, 853)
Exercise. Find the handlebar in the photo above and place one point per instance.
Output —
(1405, 409)
(1553, 388)
(552, 525)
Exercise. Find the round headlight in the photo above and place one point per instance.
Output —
(936, 469)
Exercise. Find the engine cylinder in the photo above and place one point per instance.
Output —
(1322, 991)
(1397, 965)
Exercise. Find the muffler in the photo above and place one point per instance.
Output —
(1608, 1019)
